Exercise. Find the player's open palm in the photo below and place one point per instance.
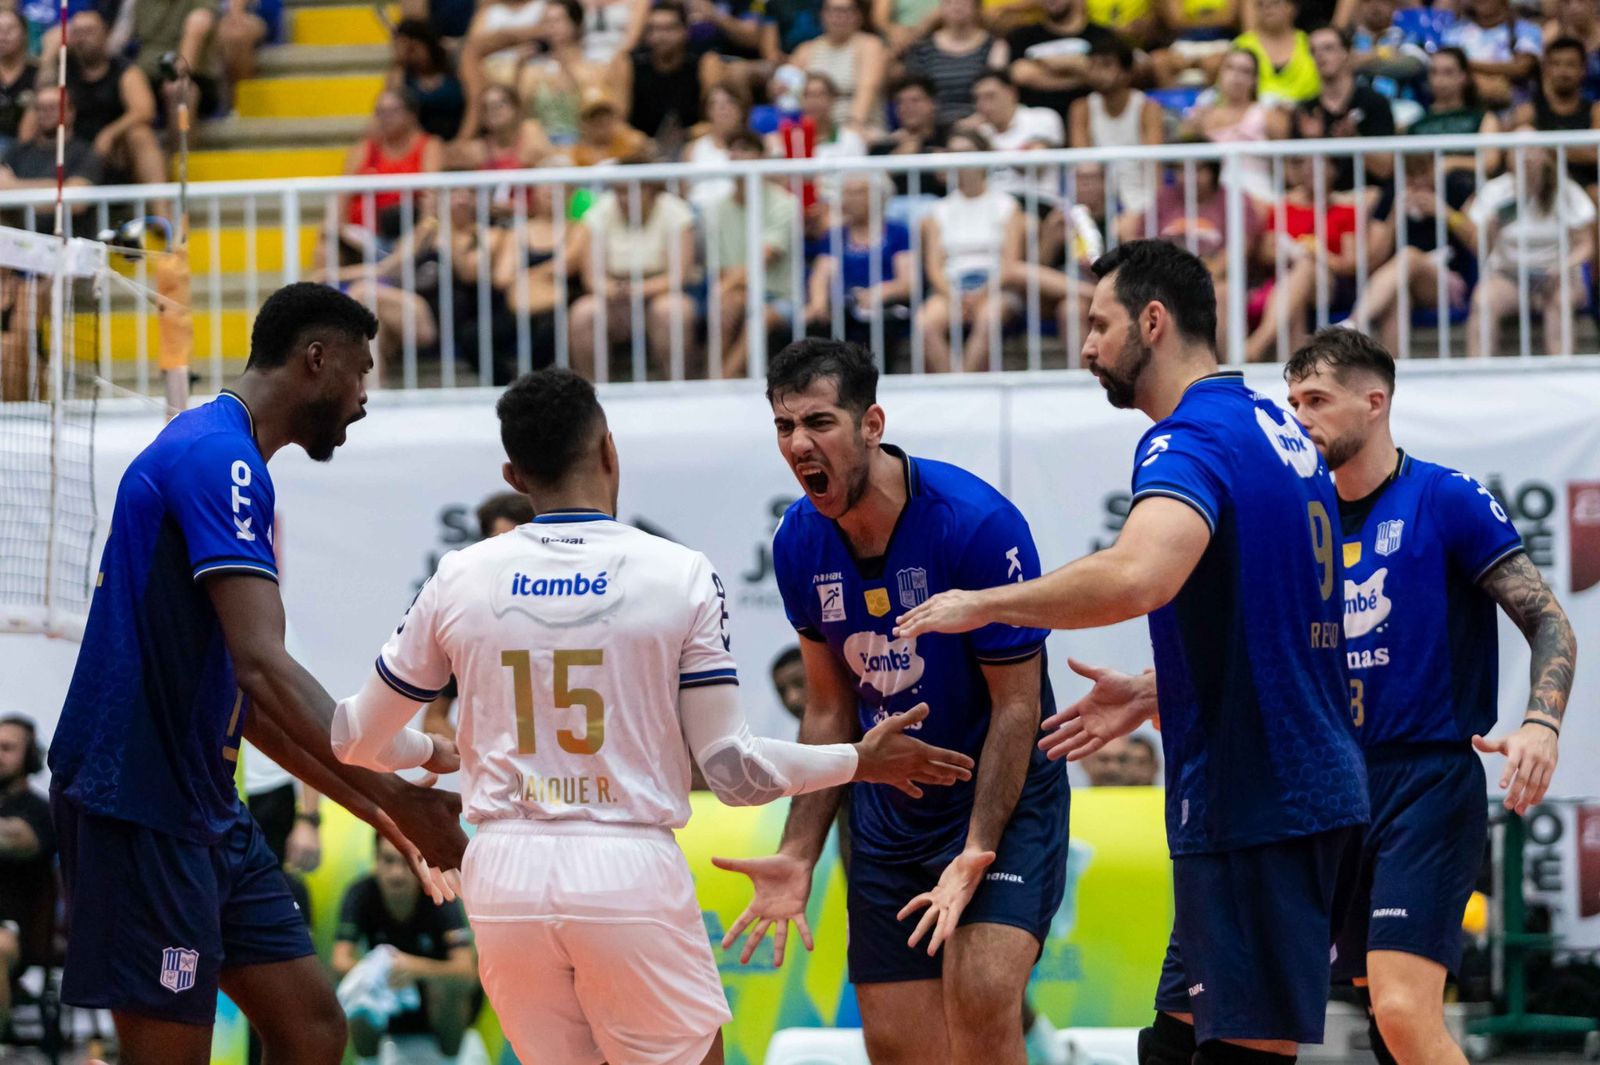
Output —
(1530, 754)
(886, 755)
(948, 899)
(1116, 705)
(782, 887)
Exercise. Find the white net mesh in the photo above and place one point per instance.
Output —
(48, 332)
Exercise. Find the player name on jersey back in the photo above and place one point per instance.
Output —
(570, 639)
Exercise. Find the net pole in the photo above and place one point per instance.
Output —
(57, 321)
(176, 324)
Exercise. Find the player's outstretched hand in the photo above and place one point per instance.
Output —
(1530, 754)
(446, 758)
(953, 611)
(886, 755)
(782, 886)
(948, 899)
(429, 820)
(1116, 705)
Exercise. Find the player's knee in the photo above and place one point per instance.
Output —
(982, 1009)
(1168, 1041)
(1406, 1020)
(316, 1036)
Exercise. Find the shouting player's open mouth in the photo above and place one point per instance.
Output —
(815, 479)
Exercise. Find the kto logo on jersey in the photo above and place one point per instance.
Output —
(1158, 444)
(1290, 442)
(1365, 605)
(241, 522)
(831, 597)
(178, 967)
(913, 585)
(887, 666)
(1388, 537)
(577, 584)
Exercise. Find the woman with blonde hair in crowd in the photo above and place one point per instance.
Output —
(1234, 115)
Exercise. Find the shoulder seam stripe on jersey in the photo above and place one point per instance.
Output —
(1019, 656)
(254, 560)
(707, 682)
(1501, 557)
(410, 691)
(251, 567)
(1173, 493)
(811, 634)
(707, 674)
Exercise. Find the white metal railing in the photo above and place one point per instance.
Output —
(464, 330)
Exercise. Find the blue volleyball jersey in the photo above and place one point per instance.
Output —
(1249, 658)
(956, 531)
(1421, 637)
(151, 726)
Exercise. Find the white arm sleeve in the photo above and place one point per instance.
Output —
(369, 729)
(746, 770)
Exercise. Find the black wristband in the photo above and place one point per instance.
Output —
(1541, 721)
(312, 819)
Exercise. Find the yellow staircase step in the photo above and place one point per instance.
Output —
(309, 97)
(232, 251)
(265, 164)
(125, 332)
(353, 24)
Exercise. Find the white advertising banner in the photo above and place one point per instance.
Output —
(700, 464)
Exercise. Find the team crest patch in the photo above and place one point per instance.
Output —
(877, 601)
(177, 968)
(913, 584)
(1388, 538)
(831, 596)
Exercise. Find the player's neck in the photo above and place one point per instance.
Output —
(1368, 468)
(1167, 379)
(270, 417)
(869, 524)
(576, 498)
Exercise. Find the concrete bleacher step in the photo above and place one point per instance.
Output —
(238, 132)
(298, 96)
(265, 164)
(344, 24)
(323, 59)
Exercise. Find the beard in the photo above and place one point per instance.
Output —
(1121, 383)
(1340, 451)
(320, 428)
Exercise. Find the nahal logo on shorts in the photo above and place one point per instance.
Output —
(178, 965)
(1009, 878)
(831, 596)
(1365, 605)
(889, 667)
(1197, 989)
(1290, 442)
(1391, 911)
(1387, 541)
(913, 585)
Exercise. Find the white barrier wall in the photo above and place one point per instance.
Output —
(700, 465)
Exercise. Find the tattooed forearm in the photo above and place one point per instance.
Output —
(1522, 593)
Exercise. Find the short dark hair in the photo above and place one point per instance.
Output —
(1116, 48)
(1566, 44)
(786, 657)
(1458, 55)
(747, 139)
(824, 80)
(1000, 74)
(850, 366)
(915, 81)
(547, 421)
(672, 7)
(1157, 271)
(1341, 350)
(512, 506)
(575, 12)
(1139, 739)
(422, 31)
(1346, 38)
(33, 754)
(979, 141)
(301, 308)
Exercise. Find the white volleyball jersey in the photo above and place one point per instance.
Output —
(569, 639)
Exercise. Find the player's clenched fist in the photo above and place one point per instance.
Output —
(886, 755)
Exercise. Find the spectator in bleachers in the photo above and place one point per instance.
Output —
(1003, 120)
(970, 239)
(1108, 767)
(397, 145)
(1503, 49)
(27, 855)
(428, 954)
(815, 136)
(506, 140)
(112, 104)
(1233, 115)
(1580, 19)
(1415, 265)
(1144, 764)
(553, 83)
(449, 18)
(1050, 58)
(725, 230)
(189, 28)
(730, 32)
(1116, 115)
(1345, 108)
(1559, 104)
(17, 72)
(854, 60)
(1522, 223)
(727, 111)
(661, 81)
(1136, 21)
(423, 68)
(1283, 53)
(917, 132)
(1070, 239)
(502, 37)
(786, 25)
(244, 26)
(527, 275)
(603, 135)
(635, 245)
(1202, 32)
(1386, 57)
(30, 163)
(953, 56)
(866, 260)
(904, 22)
(613, 28)
(1454, 108)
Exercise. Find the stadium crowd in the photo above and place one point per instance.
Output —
(513, 84)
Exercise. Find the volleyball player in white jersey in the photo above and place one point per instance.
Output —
(593, 660)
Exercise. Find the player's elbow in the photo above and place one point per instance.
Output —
(739, 777)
